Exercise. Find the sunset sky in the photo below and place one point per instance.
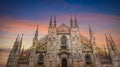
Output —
(22, 16)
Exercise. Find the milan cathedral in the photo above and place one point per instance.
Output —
(64, 46)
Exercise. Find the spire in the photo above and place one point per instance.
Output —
(71, 22)
(14, 52)
(17, 38)
(76, 24)
(92, 40)
(55, 22)
(112, 44)
(36, 33)
(91, 34)
(19, 45)
(90, 30)
(111, 39)
(50, 25)
(106, 39)
(108, 44)
(16, 41)
(21, 38)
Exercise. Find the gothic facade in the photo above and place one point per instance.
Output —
(64, 46)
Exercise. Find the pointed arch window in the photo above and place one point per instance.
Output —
(63, 42)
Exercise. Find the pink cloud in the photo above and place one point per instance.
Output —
(98, 20)
(16, 26)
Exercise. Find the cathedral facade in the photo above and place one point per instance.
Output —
(64, 46)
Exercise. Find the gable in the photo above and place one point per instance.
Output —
(63, 29)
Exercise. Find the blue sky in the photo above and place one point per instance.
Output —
(39, 9)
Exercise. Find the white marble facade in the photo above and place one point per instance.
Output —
(64, 46)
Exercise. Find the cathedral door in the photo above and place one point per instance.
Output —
(64, 62)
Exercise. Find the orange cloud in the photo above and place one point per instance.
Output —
(22, 26)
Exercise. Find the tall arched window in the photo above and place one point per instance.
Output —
(88, 59)
(63, 42)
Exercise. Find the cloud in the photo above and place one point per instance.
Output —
(10, 27)
(99, 22)
(15, 26)
(4, 53)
